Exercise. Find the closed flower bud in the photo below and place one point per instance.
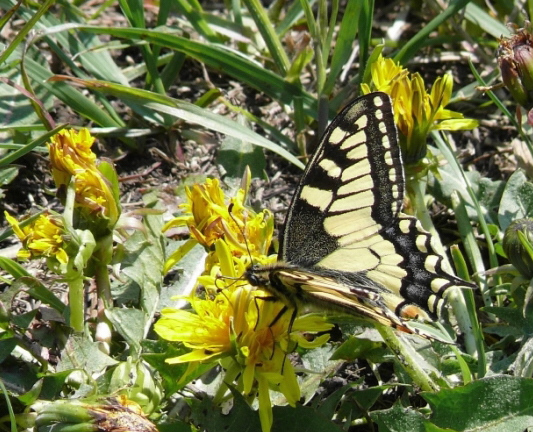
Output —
(518, 245)
(104, 415)
(515, 58)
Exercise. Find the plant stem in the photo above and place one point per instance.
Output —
(77, 303)
(407, 359)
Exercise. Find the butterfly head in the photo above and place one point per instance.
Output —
(257, 276)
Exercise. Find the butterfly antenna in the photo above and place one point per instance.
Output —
(245, 239)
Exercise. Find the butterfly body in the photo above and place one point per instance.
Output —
(345, 244)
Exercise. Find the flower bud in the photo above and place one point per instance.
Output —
(137, 382)
(103, 415)
(518, 245)
(515, 58)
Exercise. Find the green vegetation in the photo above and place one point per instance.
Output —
(92, 336)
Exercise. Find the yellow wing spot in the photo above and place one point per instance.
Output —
(362, 122)
(385, 142)
(348, 260)
(421, 241)
(366, 229)
(438, 283)
(355, 185)
(434, 303)
(315, 197)
(393, 283)
(431, 262)
(357, 169)
(392, 259)
(341, 225)
(384, 248)
(379, 114)
(363, 199)
(356, 140)
(378, 101)
(393, 271)
(405, 225)
(383, 128)
(330, 167)
(337, 136)
(352, 201)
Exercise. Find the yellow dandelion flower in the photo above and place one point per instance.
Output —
(236, 327)
(45, 237)
(210, 216)
(416, 112)
(94, 193)
(70, 153)
(72, 160)
(234, 323)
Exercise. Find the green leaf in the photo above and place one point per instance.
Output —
(302, 419)
(235, 155)
(144, 262)
(399, 419)
(23, 150)
(156, 352)
(495, 404)
(13, 267)
(131, 324)
(488, 192)
(354, 348)
(6, 347)
(191, 113)
(222, 59)
(516, 201)
(209, 417)
(39, 292)
(490, 24)
(8, 174)
(82, 353)
(189, 268)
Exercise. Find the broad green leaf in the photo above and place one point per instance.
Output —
(210, 417)
(235, 155)
(495, 404)
(188, 269)
(156, 352)
(131, 324)
(398, 419)
(487, 191)
(82, 353)
(516, 201)
(302, 419)
(355, 347)
(144, 261)
(7, 345)
(490, 24)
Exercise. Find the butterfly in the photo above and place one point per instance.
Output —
(345, 244)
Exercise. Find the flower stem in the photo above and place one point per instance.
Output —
(77, 303)
(102, 257)
(407, 359)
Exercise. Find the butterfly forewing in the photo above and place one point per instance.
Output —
(351, 188)
(346, 244)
